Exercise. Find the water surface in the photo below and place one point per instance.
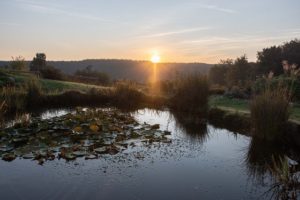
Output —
(202, 162)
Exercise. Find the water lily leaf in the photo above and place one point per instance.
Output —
(79, 153)
(28, 156)
(8, 157)
(69, 156)
(100, 150)
(77, 129)
(90, 157)
(6, 148)
(134, 135)
(112, 150)
(94, 128)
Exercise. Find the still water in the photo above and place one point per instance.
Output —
(202, 162)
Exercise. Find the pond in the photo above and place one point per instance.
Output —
(189, 160)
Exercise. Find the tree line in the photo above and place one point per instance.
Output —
(242, 76)
(39, 66)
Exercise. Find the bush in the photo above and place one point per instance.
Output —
(237, 92)
(14, 98)
(126, 94)
(34, 92)
(88, 75)
(50, 72)
(270, 112)
(216, 90)
(282, 81)
(190, 94)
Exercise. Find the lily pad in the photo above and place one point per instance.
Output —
(91, 157)
(79, 153)
(8, 157)
(100, 150)
(28, 156)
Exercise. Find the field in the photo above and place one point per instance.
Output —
(52, 85)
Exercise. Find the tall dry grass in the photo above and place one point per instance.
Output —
(34, 93)
(270, 112)
(127, 94)
(14, 98)
(190, 94)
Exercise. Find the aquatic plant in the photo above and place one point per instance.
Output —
(286, 180)
(85, 133)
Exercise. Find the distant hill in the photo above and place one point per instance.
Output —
(128, 69)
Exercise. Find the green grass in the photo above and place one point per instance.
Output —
(53, 85)
(60, 86)
(242, 106)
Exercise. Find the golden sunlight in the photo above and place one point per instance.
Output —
(155, 58)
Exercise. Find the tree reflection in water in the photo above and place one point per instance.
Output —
(193, 126)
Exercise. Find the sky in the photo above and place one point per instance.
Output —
(178, 30)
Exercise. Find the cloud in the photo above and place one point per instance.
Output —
(50, 9)
(253, 39)
(217, 8)
(163, 34)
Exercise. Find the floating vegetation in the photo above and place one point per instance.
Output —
(87, 133)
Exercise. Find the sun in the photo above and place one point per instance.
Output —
(155, 58)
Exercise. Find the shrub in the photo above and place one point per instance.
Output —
(34, 92)
(216, 90)
(190, 94)
(237, 92)
(126, 94)
(270, 112)
(50, 72)
(88, 75)
(18, 63)
(14, 99)
(282, 81)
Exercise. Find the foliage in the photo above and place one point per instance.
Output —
(190, 93)
(286, 178)
(217, 74)
(270, 59)
(38, 63)
(237, 92)
(270, 112)
(14, 99)
(231, 73)
(292, 84)
(18, 63)
(217, 90)
(89, 75)
(33, 92)
(50, 72)
(126, 94)
(6, 79)
(238, 72)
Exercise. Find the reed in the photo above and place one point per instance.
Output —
(190, 94)
(270, 112)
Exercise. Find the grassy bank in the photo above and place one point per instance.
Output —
(51, 85)
(242, 106)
